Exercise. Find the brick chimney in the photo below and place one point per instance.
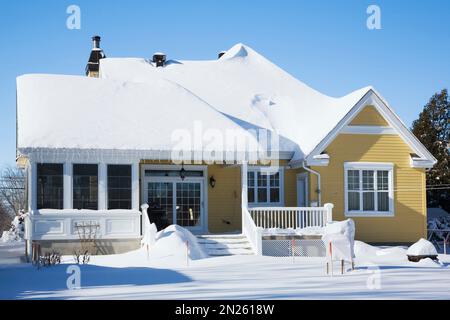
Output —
(92, 67)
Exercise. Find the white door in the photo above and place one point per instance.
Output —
(302, 190)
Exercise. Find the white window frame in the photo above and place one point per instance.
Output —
(373, 166)
(269, 171)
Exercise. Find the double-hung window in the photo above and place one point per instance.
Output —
(369, 189)
(264, 186)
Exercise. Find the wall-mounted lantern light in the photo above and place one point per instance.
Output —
(212, 182)
(182, 172)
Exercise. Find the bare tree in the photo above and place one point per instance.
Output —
(12, 190)
(5, 220)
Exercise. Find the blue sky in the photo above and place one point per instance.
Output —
(325, 44)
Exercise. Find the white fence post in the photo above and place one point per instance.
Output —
(329, 209)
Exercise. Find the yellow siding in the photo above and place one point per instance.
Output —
(409, 222)
(369, 116)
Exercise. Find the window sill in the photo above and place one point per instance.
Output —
(370, 214)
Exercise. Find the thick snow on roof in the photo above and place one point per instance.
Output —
(246, 86)
(89, 113)
(136, 106)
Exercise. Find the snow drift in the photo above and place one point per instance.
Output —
(174, 241)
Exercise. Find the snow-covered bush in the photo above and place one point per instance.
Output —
(17, 230)
(422, 248)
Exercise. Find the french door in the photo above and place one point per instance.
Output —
(175, 202)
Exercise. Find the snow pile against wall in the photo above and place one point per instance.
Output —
(172, 242)
(422, 248)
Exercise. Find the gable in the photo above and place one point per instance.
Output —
(420, 156)
(369, 116)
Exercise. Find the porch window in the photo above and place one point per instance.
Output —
(50, 192)
(264, 187)
(368, 189)
(119, 187)
(85, 186)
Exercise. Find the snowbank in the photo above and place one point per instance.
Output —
(366, 253)
(172, 242)
(422, 248)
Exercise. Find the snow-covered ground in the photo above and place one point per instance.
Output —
(381, 273)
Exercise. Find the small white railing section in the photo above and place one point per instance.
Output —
(252, 232)
(292, 217)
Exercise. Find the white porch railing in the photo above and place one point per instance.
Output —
(292, 217)
(252, 232)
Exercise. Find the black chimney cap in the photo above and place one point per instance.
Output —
(159, 58)
(96, 38)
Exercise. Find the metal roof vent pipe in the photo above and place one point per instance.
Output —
(221, 53)
(159, 59)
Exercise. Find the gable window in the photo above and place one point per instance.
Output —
(264, 187)
(85, 186)
(50, 193)
(119, 187)
(369, 189)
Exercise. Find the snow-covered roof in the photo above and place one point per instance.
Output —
(135, 105)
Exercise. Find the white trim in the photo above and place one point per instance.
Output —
(135, 186)
(67, 185)
(32, 186)
(375, 166)
(102, 170)
(321, 160)
(368, 130)
(303, 176)
(374, 99)
(267, 170)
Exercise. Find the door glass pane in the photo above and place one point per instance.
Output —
(160, 201)
(188, 204)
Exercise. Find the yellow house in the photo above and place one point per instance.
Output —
(233, 145)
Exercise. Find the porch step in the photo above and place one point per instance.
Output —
(225, 244)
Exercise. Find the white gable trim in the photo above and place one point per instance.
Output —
(374, 99)
(367, 130)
